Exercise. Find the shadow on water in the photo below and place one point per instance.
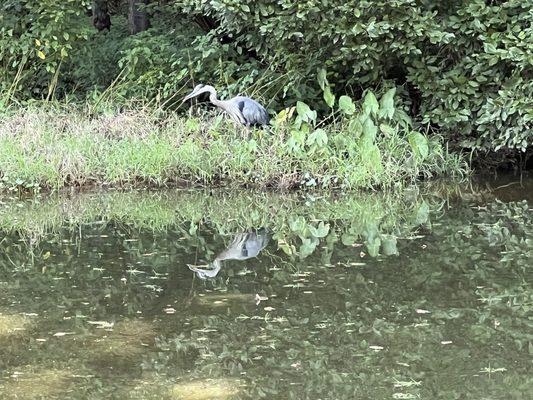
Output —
(425, 293)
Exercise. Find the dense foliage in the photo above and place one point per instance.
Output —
(463, 67)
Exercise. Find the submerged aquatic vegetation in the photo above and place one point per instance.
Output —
(52, 146)
(13, 325)
(30, 383)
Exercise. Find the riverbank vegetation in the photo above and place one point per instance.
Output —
(55, 146)
(457, 74)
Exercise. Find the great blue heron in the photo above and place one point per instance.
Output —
(242, 110)
(244, 246)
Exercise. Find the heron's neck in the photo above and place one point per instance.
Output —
(213, 96)
(217, 264)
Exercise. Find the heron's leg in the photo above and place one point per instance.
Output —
(248, 132)
(244, 130)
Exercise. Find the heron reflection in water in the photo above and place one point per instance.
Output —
(244, 246)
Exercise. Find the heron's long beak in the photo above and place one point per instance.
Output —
(195, 268)
(189, 96)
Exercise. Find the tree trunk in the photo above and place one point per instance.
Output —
(138, 19)
(101, 18)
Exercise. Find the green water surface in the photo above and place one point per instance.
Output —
(423, 294)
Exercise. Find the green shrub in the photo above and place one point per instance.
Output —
(468, 64)
(465, 66)
(36, 37)
(477, 85)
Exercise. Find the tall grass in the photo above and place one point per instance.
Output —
(50, 146)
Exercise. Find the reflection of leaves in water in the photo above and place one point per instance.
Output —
(357, 217)
(389, 245)
(425, 324)
(308, 246)
(320, 349)
(422, 214)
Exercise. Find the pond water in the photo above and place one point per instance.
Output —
(426, 293)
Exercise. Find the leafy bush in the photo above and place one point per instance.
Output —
(478, 83)
(36, 37)
(464, 67)
(467, 64)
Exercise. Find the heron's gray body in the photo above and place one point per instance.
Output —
(246, 245)
(241, 109)
(252, 112)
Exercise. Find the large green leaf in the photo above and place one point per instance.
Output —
(386, 104)
(420, 145)
(303, 110)
(297, 224)
(318, 137)
(372, 245)
(422, 214)
(320, 231)
(355, 127)
(308, 246)
(388, 244)
(346, 105)
(329, 97)
(322, 79)
(370, 104)
(369, 131)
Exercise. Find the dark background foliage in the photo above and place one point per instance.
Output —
(462, 67)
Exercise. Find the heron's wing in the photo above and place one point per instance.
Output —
(253, 112)
(255, 243)
(232, 108)
(245, 245)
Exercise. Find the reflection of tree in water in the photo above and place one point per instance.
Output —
(321, 329)
(406, 323)
(245, 245)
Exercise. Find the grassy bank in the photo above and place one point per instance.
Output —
(50, 146)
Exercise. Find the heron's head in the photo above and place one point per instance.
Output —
(206, 271)
(195, 92)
